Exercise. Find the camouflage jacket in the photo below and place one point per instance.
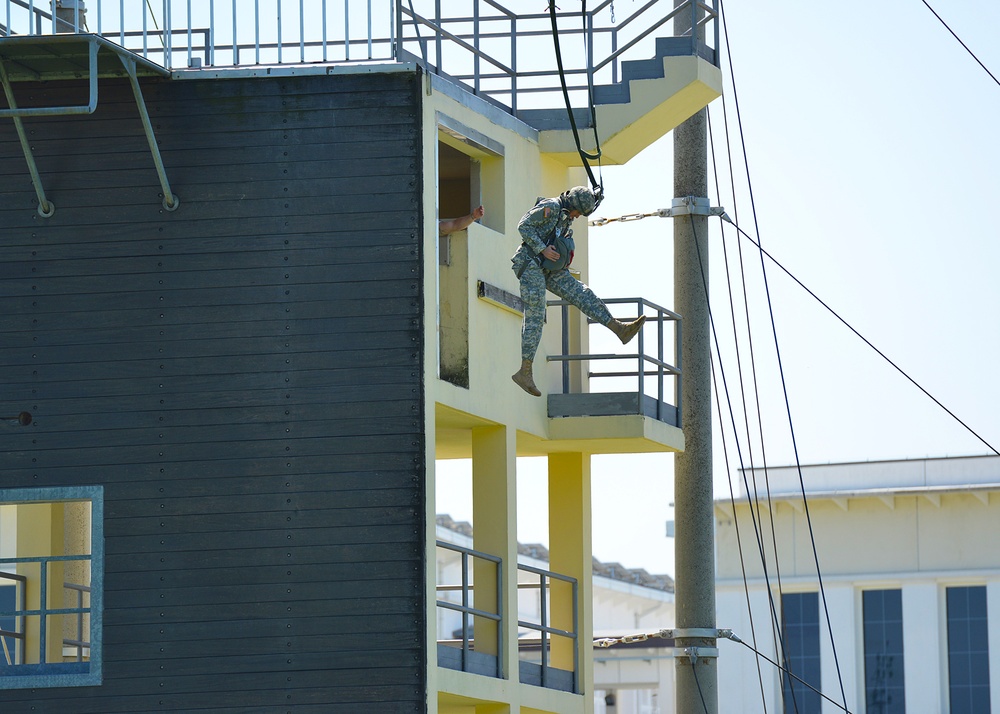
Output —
(538, 224)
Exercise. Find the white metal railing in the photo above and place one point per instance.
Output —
(503, 50)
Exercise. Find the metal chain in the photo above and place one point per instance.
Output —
(660, 212)
(665, 634)
(629, 639)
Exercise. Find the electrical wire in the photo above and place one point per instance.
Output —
(791, 426)
(971, 53)
(746, 420)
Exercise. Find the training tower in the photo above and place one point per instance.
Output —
(244, 346)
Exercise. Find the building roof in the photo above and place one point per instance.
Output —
(612, 571)
(872, 478)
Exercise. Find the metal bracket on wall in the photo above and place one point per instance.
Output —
(44, 57)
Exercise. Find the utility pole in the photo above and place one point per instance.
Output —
(694, 543)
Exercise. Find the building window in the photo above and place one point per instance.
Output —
(968, 650)
(800, 620)
(51, 586)
(470, 169)
(882, 611)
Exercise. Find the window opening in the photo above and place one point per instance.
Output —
(882, 613)
(968, 649)
(51, 583)
(469, 174)
(800, 615)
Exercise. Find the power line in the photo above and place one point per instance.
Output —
(971, 53)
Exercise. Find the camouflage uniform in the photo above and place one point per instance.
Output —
(547, 216)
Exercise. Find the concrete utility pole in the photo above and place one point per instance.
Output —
(694, 542)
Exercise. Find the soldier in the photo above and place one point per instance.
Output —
(542, 262)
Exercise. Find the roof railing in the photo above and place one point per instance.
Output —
(501, 50)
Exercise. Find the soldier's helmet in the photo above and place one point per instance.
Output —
(580, 198)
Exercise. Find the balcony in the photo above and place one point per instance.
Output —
(462, 616)
(640, 379)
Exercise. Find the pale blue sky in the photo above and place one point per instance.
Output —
(871, 140)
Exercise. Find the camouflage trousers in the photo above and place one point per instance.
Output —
(534, 282)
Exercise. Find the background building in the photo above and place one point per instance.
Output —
(911, 575)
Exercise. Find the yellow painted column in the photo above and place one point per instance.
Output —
(570, 553)
(494, 527)
(40, 532)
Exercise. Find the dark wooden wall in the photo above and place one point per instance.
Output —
(244, 377)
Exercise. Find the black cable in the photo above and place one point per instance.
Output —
(778, 624)
(867, 342)
(971, 53)
(842, 707)
(585, 157)
(757, 529)
(788, 408)
(694, 671)
(746, 420)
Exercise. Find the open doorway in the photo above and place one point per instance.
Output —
(470, 174)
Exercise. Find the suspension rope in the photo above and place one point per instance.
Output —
(585, 157)
(971, 53)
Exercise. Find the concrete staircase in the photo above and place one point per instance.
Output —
(654, 96)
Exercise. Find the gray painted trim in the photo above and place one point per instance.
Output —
(499, 297)
(293, 70)
(482, 107)
(468, 135)
(94, 494)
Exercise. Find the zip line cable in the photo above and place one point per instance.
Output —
(867, 341)
(971, 53)
(585, 157)
(781, 369)
(841, 707)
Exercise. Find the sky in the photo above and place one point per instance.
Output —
(871, 147)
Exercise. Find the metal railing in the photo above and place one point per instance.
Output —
(502, 50)
(21, 611)
(653, 366)
(467, 606)
(543, 627)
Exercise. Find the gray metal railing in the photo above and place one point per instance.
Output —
(502, 50)
(545, 631)
(646, 365)
(543, 627)
(467, 607)
(43, 612)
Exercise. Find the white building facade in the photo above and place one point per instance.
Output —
(908, 615)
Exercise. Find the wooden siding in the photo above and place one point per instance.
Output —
(244, 377)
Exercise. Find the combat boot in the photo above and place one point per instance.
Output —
(626, 330)
(523, 379)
